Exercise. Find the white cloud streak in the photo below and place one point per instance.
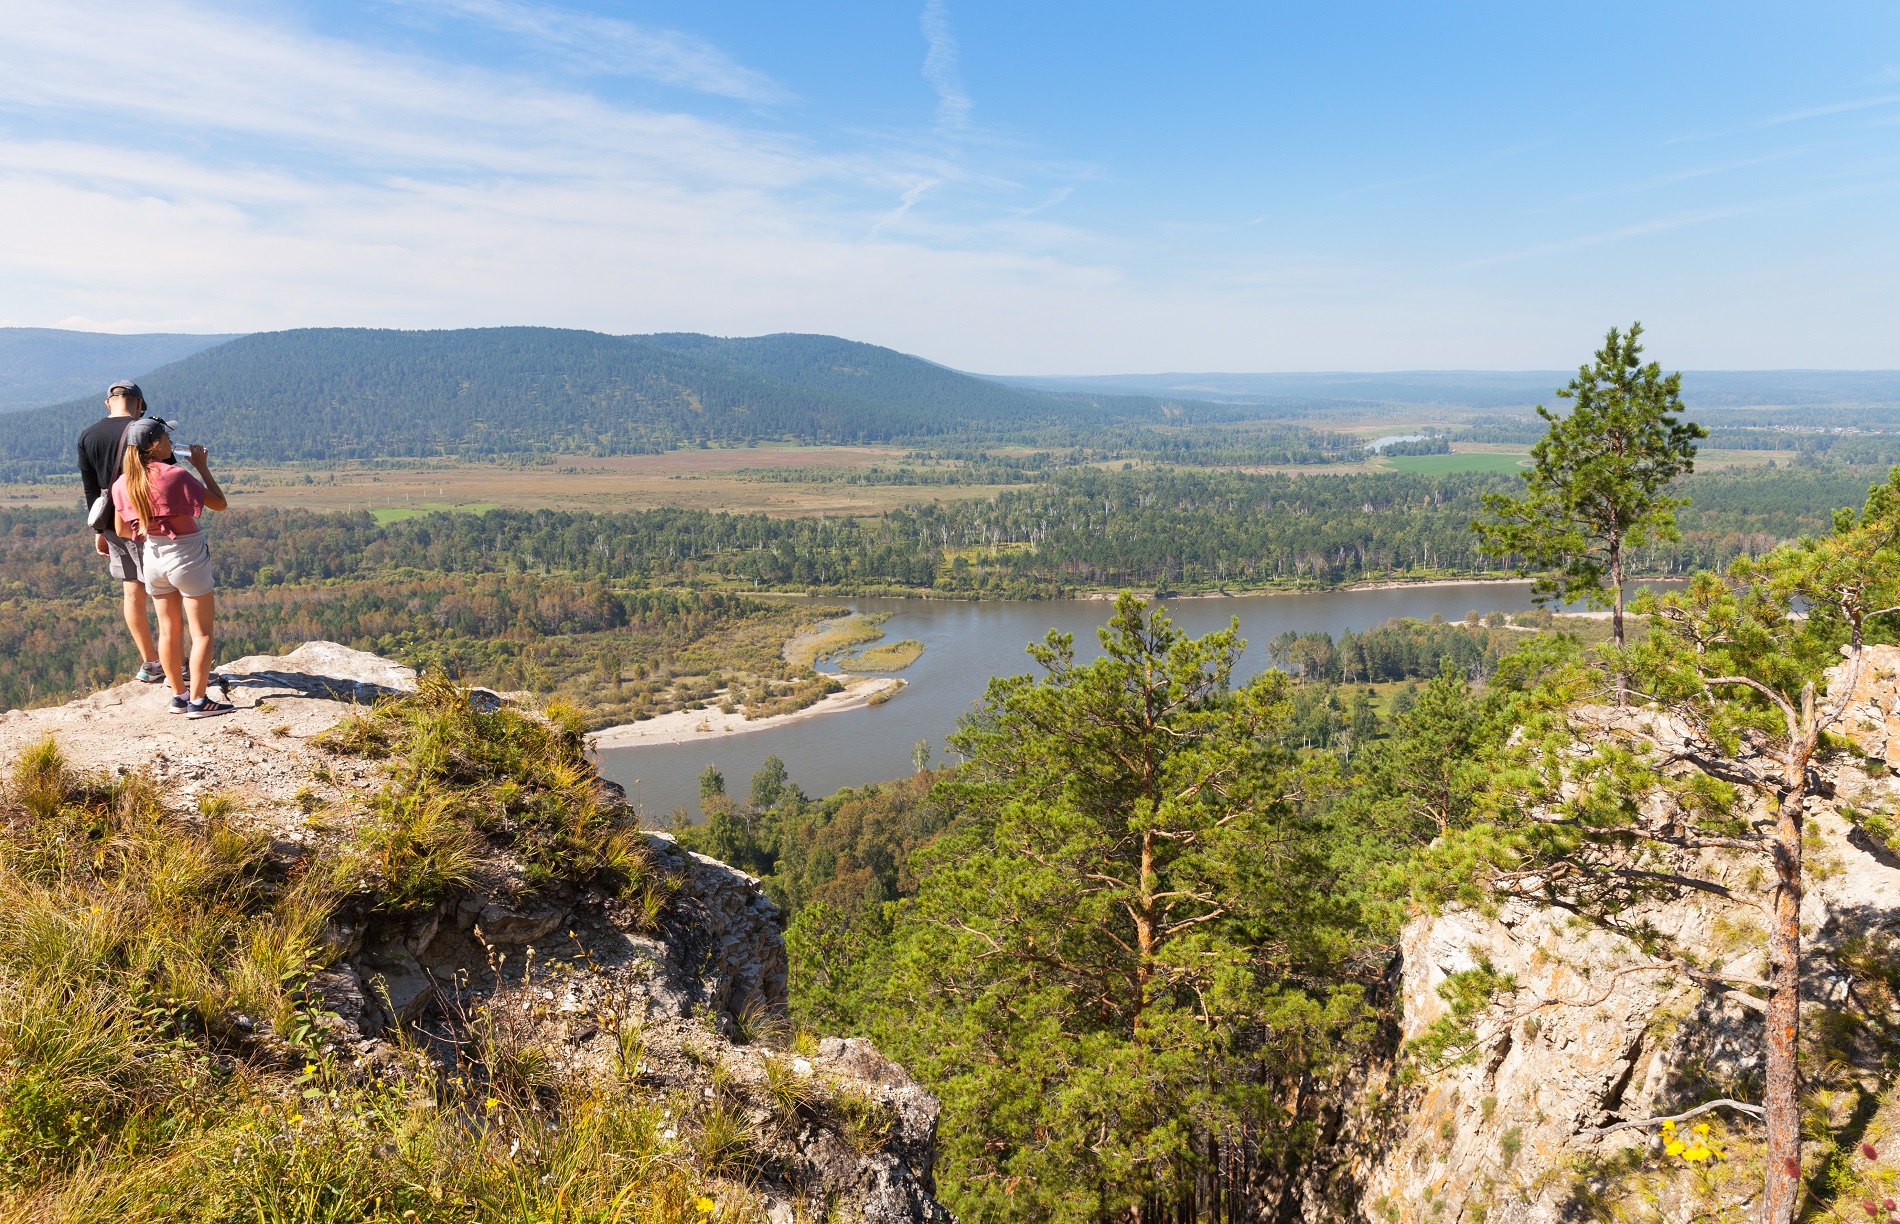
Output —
(1833, 108)
(941, 68)
(610, 46)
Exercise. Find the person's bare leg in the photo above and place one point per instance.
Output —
(136, 621)
(171, 639)
(201, 611)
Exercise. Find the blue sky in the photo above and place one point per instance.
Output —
(1024, 188)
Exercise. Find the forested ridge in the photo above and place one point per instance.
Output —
(41, 365)
(349, 393)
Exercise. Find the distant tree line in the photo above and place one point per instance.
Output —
(1437, 445)
(1080, 528)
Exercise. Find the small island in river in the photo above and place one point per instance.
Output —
(890, 657)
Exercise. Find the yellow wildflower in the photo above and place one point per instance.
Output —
(1674, 1147)
(705, 1205)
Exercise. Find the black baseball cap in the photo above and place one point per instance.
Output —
(126, 385)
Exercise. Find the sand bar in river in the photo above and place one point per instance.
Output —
(686, 726)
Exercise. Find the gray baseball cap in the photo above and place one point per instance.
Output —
(126, 385)
(146, 429)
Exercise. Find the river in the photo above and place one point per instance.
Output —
(966, 643)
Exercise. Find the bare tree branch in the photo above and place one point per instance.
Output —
(1753, 1111)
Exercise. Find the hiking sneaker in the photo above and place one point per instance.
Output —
(206, 708)
(150, 673)
(180, 703)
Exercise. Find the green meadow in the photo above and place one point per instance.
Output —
(396, 514)
(1445, 465)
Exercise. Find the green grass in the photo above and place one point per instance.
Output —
(890, 657)
(396, 514)
(456, 773)
(1445, 465)
(834, 636)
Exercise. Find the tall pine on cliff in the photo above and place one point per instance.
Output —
(1126, 970)
(1601, 810)
(1599, 480)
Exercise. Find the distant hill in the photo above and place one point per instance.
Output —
(44, 365)
(358, 393)
(1485, 390)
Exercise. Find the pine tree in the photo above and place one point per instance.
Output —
(1609, 810)
(1599, 479)
(1129, 956)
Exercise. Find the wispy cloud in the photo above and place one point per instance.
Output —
(1641, 229)
(1832, 108)
(906, 202)
(611, 46)
(1686, 218)
(1794, 116)
(941, 70)
(274, 176)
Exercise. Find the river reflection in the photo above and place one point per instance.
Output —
(966, 643)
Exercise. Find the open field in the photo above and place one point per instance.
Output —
(699, 479)
(713, 479)
(1465, 461)
(1488, 457)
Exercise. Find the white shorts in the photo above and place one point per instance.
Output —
(181, 566)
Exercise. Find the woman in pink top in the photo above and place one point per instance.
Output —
(159, 502)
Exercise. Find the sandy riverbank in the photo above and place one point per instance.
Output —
(1381, 585)
(1396, 584)
(683, 726)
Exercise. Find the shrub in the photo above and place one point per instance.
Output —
(522, 780)
(725, 1143)
(866, 1121)
(39, 778)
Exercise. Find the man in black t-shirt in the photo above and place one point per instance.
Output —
(101, 452)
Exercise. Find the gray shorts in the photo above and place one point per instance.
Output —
(122, 556)
(181, 566)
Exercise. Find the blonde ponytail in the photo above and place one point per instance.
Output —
(138, 488)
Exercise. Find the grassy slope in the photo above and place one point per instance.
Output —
(162, 1059)
(158, 1060)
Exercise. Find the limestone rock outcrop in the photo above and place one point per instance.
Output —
(1498, 1137)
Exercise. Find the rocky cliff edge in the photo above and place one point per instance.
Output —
(689, 1000)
